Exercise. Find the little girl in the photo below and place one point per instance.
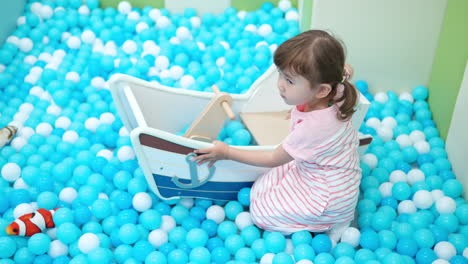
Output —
(314, 183)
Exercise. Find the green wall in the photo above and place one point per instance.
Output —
(247, 5)
(9, 13)
(449, 64)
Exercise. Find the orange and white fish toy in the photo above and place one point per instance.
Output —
(32, 223)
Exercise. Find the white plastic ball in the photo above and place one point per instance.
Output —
(370, 160)
(186, 81)
(289, 249)
(404, 141)
(157, 238)
(73, 42)
(201, 45)
(446, 205)
(292, 15)
(68, 195)
(57, 248)
(251, 27)
(241, 14)
(22, 209)
(84, 10)
(440, 261)
(389, 122)
(154, 14)
(406, 206)
(187, 202)
(267, 258)
(195, 22)
(264, 30)
(54, 109)
(21, 21)
(142, 201)
(437, 194)
(44, 129)
(385, 133)
(174, 41)
(133, 15)
(141, 26)
(92, 124)
(88, 242)
(215, 213)
(18, 143)
(70, 136)
(129, 47)
(176, 72)
(397, 176)
(417, 135)
(105, 153)
(273, 48)
(381, 97)
(406, 96)
(73, 76)
(304, 261)
(465, 252)
(35, 8)
(123, 132)
(20, 184)
(243, 219)
(168, 223)
(124, 7)
(46, 12)
(103, 196)
(13, 39)
(414, 176)
(220, 62)
(165, 74)
(162, 22)
(183, 33)
(26, 45)
(386, 189)
(423, 199)
(284, 5)
(88, 36)
(30, 59)
(11, 172)
(161, 62)
(62, 122)
(125, 153)
(422, 147)
(445, 250)
(107, 118)
(25, 132)
(373, 122)
(351, 236)
(20, 117)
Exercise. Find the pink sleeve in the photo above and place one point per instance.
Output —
(301, 142)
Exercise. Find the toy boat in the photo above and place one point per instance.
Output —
(155, 115)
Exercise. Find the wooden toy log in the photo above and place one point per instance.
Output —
(210, 121)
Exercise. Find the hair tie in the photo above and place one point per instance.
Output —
(346, 75)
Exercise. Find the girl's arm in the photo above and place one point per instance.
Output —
(221, 151)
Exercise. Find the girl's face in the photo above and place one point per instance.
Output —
(295, 89)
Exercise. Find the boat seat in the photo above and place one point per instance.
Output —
(267, 128)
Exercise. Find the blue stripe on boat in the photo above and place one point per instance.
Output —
(210, 190)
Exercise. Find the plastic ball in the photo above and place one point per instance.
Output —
(8, 246)
(445, 250)
(420, 93)
(11, 172)
(215, 213)
(88, 242)
(158, 237)
(423, 199)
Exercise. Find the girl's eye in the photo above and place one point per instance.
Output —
(289, 81)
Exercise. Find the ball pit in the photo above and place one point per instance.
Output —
(73, 152)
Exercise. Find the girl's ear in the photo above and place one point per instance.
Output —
(323, 90)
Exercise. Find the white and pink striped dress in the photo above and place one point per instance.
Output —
(320, 187)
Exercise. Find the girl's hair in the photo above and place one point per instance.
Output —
(319, 58)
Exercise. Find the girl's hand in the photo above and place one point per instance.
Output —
(219, 151)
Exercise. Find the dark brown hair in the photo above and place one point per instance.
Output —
(319, 58)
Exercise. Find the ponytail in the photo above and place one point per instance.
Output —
(347, 101)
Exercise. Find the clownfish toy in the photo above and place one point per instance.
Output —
(33, 223)
(6, 134)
